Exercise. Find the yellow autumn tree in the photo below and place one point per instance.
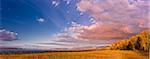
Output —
(138, 42)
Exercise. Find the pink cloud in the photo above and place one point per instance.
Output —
(113, 19)
(7, 35)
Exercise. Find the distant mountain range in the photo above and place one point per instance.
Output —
(138, 42)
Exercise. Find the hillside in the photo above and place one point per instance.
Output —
(137, 42)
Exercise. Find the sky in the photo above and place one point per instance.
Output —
(70, 23)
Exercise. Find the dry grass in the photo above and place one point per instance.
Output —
(103, 54)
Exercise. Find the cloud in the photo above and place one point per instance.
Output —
(7, 35)
(55, 3)
(117, 19)
(67, 1)
(41, 20)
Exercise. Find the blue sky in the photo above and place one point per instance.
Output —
(23, 17)
(47, 21)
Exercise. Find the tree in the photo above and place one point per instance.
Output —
(137, 44)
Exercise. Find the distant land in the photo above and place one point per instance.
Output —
(16, 50)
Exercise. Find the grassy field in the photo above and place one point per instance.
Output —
(103, 54)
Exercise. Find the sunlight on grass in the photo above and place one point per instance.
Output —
(104, 54)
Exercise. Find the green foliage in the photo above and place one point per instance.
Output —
(138, 42)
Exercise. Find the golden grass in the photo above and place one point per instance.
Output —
(103, 54)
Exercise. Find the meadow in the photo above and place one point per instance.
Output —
(97, 54)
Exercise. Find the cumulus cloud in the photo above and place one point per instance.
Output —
(112, 19)
(55, 3)
(7, 35)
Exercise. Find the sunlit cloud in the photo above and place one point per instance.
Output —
(111, 20)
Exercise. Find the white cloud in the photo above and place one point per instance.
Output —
(67, 1)
(41, 20)
(55, 3)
